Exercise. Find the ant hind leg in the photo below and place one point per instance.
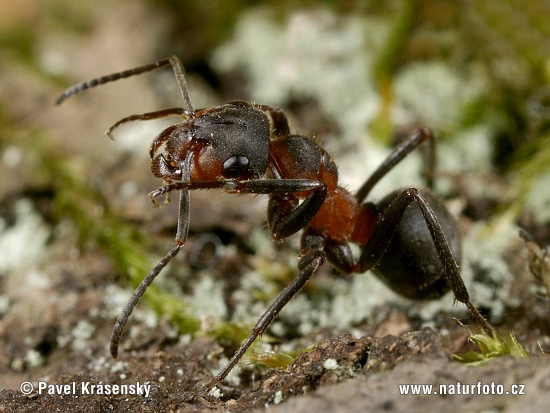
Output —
(397, 155)
(378, 243)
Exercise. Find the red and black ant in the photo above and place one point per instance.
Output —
(408, 238)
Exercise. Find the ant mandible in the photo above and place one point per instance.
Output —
(408, 238)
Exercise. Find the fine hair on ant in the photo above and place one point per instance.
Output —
(408, 238)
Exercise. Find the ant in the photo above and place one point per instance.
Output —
(409, 239)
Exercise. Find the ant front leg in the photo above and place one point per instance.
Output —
(181, 237)
(376, 247)
(285, 215)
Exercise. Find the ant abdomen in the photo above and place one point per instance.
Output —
(411, 265)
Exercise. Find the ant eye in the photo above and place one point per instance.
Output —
(236, 165)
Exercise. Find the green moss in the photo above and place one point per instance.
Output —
(399, 27)
(19, 42)
(230, 334)
(270, 360)
(491, 346)
(74, 17)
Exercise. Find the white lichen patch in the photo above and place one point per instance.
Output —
(116, 298)
(12, 156)
(330, 364)
(207, 299)
(118, 366)
(470, 150)
(311, 55)
(355, 302)
(215, 393)
(485, 249)
(82, 333)
(33, 358)
(278, 398)
(4, 304)
(25, 241)
(435, 93)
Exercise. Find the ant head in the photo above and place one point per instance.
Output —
(236, 137)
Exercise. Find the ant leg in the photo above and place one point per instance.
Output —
(148, 116)
(397, 156)
(313, 261)
(177, 67)
(285, 215)
(183, 214)
(280, 122)
(269, 186)
(253, 186)
(127, 311)
(382, 235)
(181, 237)
(166, 189)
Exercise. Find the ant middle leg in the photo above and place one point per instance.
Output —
(309, 263)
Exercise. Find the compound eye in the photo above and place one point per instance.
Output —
(237, 165)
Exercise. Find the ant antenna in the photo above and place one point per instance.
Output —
(177, 67)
